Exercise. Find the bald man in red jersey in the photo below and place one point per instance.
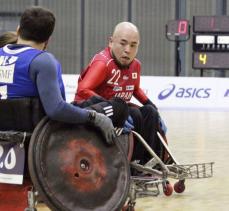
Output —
(110, 73)
(115, 72)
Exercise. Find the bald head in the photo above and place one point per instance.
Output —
(124, 43)
(125, 27)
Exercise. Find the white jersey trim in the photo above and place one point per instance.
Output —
(7, 50)
(109, 62)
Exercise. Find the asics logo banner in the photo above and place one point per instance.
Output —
(166, 92)
(226, 93)
(183, 92)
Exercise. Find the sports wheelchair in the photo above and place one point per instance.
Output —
(71, 167)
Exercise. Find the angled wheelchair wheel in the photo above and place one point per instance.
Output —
(73, 169)
(127, 143)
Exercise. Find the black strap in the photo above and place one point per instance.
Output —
(20, 114)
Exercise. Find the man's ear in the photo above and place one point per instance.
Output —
(45, 45)
(110, 41)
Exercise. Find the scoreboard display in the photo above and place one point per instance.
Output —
(211, 24)
(178, 27)
(210, 42)
(178, 30)
(210, 60)
(217, 43)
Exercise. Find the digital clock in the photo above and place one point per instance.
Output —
(178, 30)
(210, 60)
(178, 27)
(211, 24)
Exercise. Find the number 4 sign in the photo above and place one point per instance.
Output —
(12, 159)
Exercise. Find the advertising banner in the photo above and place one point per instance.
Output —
(176, 92)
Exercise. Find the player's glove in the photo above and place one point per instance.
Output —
(104, 124)
(162, 125)
(129, 125)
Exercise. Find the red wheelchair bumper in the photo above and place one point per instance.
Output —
(14, 197)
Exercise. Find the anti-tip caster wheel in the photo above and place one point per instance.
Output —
(179, 186)
(168, 189)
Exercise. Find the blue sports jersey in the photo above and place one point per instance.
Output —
(60, 80)
(28, 72)
(15, 80)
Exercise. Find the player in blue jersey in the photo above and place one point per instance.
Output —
(28, 71)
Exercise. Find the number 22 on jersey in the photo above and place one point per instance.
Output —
(114, 77)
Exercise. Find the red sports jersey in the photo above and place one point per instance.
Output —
(104, 78)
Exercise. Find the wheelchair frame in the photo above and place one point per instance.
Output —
(154, 173)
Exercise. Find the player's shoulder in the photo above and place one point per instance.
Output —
(45, 59)
(103, 56)
(49, 55)
(137, 62)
